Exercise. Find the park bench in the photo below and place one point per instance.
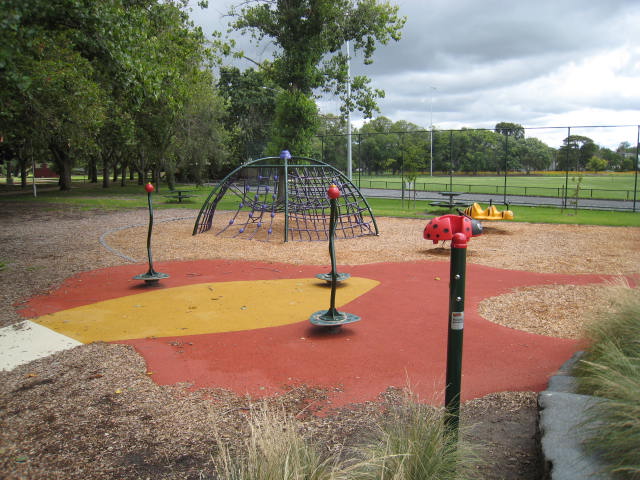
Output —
(450, 202)
(178, 195)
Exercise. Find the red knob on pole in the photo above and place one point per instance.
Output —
(333, 192)
(459, 240)
(149, 187)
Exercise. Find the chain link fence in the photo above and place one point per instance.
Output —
(577, 166)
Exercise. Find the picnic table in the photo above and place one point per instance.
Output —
(178, 195)
(450, 200)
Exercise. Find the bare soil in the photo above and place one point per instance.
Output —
(93, 412)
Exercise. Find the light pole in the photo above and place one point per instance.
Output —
(349, 160)
(431, 129)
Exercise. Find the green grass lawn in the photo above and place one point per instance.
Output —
(397, 208)
(91, 196)
(616, 186)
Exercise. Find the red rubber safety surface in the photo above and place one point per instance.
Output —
(401, 339)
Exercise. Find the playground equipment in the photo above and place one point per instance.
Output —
(458, 229)
(443, 228)
(332, 317)
(491, 213)
(294, 186)
(151, 277)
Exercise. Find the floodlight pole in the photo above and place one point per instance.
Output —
(349, 158)
(637, 166)
(431, 128)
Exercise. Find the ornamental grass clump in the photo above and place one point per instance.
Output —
(274, 450)
(611, 370)
(413, 443)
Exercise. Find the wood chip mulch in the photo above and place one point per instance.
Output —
(94, 412)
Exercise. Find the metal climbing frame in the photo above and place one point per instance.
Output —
(296, 187)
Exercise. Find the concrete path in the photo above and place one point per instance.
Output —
(27, 341)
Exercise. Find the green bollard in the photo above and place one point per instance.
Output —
(456, 329)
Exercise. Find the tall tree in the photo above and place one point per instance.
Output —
(534, 154)
(309, 36)
(66, 64)
(576, 152)
(378, 146)
(330, 144)
(510, 129)
(251, 107)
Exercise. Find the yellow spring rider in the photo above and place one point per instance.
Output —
(491, 213)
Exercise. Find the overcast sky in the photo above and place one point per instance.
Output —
(466, 63)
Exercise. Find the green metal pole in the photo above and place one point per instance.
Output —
(286, 156)
(456, 329)
(332, 253)
(506, 166)
(149, 232)
(151, 277)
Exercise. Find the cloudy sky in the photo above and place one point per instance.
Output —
(465, 63)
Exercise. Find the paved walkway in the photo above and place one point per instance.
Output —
(244, 326)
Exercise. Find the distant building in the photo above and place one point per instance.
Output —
(43, 171)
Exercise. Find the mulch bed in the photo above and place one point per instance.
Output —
(95, 412)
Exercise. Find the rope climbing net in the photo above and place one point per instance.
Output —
(272, 197)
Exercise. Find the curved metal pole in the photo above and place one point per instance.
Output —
(149, 255)
(332, 253)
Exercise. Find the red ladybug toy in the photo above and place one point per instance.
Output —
(444, 227)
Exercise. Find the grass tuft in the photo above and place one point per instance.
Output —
(413, 443)
(611, 370)
(275, 450)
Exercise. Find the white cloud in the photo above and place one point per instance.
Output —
(541, 64)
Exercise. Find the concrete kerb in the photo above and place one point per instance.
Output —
(562, 414)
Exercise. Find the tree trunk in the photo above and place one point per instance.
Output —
(105, 174)
(171, 179)
(92, 170)
(23, 173)
(155, 175)
(63, 162)
(123, 173)
(9, 175)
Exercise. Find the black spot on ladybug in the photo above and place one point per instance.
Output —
(438, 235)
(446, 230)
(435, 225)
(428, 235)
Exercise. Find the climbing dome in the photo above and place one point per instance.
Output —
(284, 197)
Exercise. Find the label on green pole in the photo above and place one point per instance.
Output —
(457, 320)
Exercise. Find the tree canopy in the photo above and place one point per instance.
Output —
(106, 80)
(309, 36)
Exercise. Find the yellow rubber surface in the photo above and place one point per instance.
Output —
(202, 308)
